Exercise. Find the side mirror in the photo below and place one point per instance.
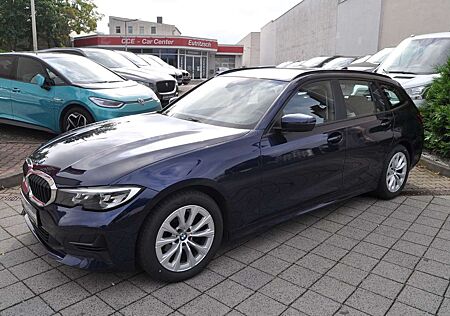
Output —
(297, 122)
(39, 80)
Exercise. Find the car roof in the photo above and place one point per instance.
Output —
(432, 35)
(41, 54)
(289, 74)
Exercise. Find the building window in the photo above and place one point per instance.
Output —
(141, 30)
(118, 30)
(153, 29)
(130, 29)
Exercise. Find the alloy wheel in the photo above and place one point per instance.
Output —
(184, 238)
(75, 120)
(396, 172)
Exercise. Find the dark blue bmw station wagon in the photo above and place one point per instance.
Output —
(247, 149)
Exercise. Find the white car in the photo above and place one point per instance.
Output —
(413, 63)
(181, 75)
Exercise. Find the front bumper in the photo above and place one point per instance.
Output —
(89, 240)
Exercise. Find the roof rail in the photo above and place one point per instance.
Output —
(239, 69)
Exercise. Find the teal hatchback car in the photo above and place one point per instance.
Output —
(59, 92)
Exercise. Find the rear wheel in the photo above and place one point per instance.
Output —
(181, 236)
(395, 173)
(76, 117)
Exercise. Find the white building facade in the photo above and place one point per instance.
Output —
(251, 44)
(126, 26)
(348, 27)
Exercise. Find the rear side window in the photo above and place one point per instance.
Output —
(28, 68)
(6, 65)
(392, 95)
(361, 98)
(315, 99)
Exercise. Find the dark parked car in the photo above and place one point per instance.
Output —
(247, 149)
(164, 85)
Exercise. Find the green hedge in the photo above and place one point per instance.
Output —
(436, 114)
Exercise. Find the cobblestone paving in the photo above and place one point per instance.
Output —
(363, 257)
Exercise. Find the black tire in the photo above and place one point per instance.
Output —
(382, 191)
(146, 252)
(76, 112)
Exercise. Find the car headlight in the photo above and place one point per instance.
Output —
(106, 103)
(417, 93)
(96, 198)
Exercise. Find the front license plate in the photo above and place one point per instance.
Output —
(29, 209)
(167, 97)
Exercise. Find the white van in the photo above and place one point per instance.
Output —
(414, 61)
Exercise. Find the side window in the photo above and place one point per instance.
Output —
(394, 97)
(361, 98)
(56, 80)
(6, 65)
(28, 68)
(315, 99)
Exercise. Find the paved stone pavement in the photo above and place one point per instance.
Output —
(362, 257)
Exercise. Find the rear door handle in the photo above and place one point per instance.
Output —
(15, 90)
(334, 138)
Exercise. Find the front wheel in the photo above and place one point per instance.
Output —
(180, 237)
(76, 117)
(395, 173)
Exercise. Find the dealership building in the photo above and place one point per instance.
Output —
(347, 27)
(200, 56)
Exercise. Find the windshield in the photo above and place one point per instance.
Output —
(314, 62)
(159, 61)
(135, 59)
(149, 60)
(418, 56)
(109, 59)
(338, 62)
(80, 70)
(380, 56)
(228, 101)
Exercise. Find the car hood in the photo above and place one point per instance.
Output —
(159, 70)
(101, 153)
(129, 93)
(411, 81)
(140, 74)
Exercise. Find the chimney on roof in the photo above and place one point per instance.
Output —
(159, 19)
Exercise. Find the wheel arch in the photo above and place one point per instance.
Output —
(206, 186)
(408, 147)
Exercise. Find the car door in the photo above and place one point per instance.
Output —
(6, 68)
(32, 103)
(369, 133)
(302, 169)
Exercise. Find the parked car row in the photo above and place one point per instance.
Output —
(413, 63)
(64, 88)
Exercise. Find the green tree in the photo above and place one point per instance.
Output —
(436, 113)
(55, 20)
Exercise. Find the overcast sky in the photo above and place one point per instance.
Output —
(225, 20)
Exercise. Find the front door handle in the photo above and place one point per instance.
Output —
(334, 138)
(15, 90)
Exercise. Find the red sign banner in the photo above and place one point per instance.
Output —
(145, 41)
